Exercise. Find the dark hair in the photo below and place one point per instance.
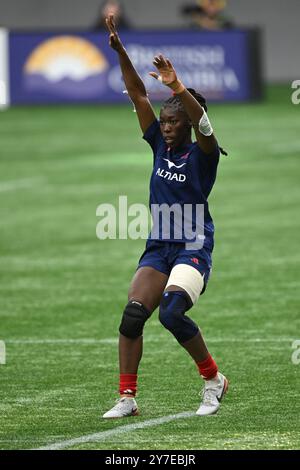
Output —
(175, 103)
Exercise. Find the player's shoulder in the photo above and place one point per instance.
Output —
(207, 162)
(154, 136)
(152, 129)
(215, 154)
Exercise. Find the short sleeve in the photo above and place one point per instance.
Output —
(210, 161)
(208, 164)
(154, 136)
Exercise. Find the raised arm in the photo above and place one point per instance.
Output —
(133, 82)
(203, 131)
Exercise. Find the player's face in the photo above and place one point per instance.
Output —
(175, 127)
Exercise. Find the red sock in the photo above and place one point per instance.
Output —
(208, 368)
(128, 384)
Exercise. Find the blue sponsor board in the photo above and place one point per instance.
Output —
(81, 67)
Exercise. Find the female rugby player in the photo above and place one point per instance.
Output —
(170, 274)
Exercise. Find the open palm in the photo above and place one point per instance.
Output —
(167, 74)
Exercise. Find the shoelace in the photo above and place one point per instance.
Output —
(119, 402)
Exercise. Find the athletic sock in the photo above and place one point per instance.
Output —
(208, 368)
(128, 384)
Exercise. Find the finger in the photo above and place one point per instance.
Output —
(158, 63)
(169, 64)
(112, 23)
(156, 60)
(109, 26)
(162, 59)
(155, 75)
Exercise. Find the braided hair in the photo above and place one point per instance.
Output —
(175, 103)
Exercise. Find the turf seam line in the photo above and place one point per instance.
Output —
(19, 184)
(103, 435)
(115, 340)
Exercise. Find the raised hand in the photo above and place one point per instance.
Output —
(114, 39)
(167, 74)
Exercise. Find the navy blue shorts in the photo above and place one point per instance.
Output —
(163, 256)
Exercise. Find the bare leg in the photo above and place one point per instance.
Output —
(196, 348)
(147, 287)
(130, 354)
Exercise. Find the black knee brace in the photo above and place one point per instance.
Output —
(134, 318)
(172, 310)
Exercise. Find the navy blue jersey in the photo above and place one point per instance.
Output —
(185, 178)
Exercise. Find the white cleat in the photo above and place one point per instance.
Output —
(212, 394)
(125, 406)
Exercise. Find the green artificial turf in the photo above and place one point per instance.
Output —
(62, 290)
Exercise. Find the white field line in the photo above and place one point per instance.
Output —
(149, 339)
(284, 148)
(18, 184)
(63, 341)
(102, 436)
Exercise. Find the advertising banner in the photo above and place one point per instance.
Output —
(81, 67)
(4, 78)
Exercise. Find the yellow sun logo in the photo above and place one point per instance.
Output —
(66, 56)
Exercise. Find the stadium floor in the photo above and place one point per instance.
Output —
(63, 290)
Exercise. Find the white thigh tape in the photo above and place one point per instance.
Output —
(188, 278)
(205, 126)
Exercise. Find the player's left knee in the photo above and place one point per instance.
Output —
(189, 279)
(172, 316)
